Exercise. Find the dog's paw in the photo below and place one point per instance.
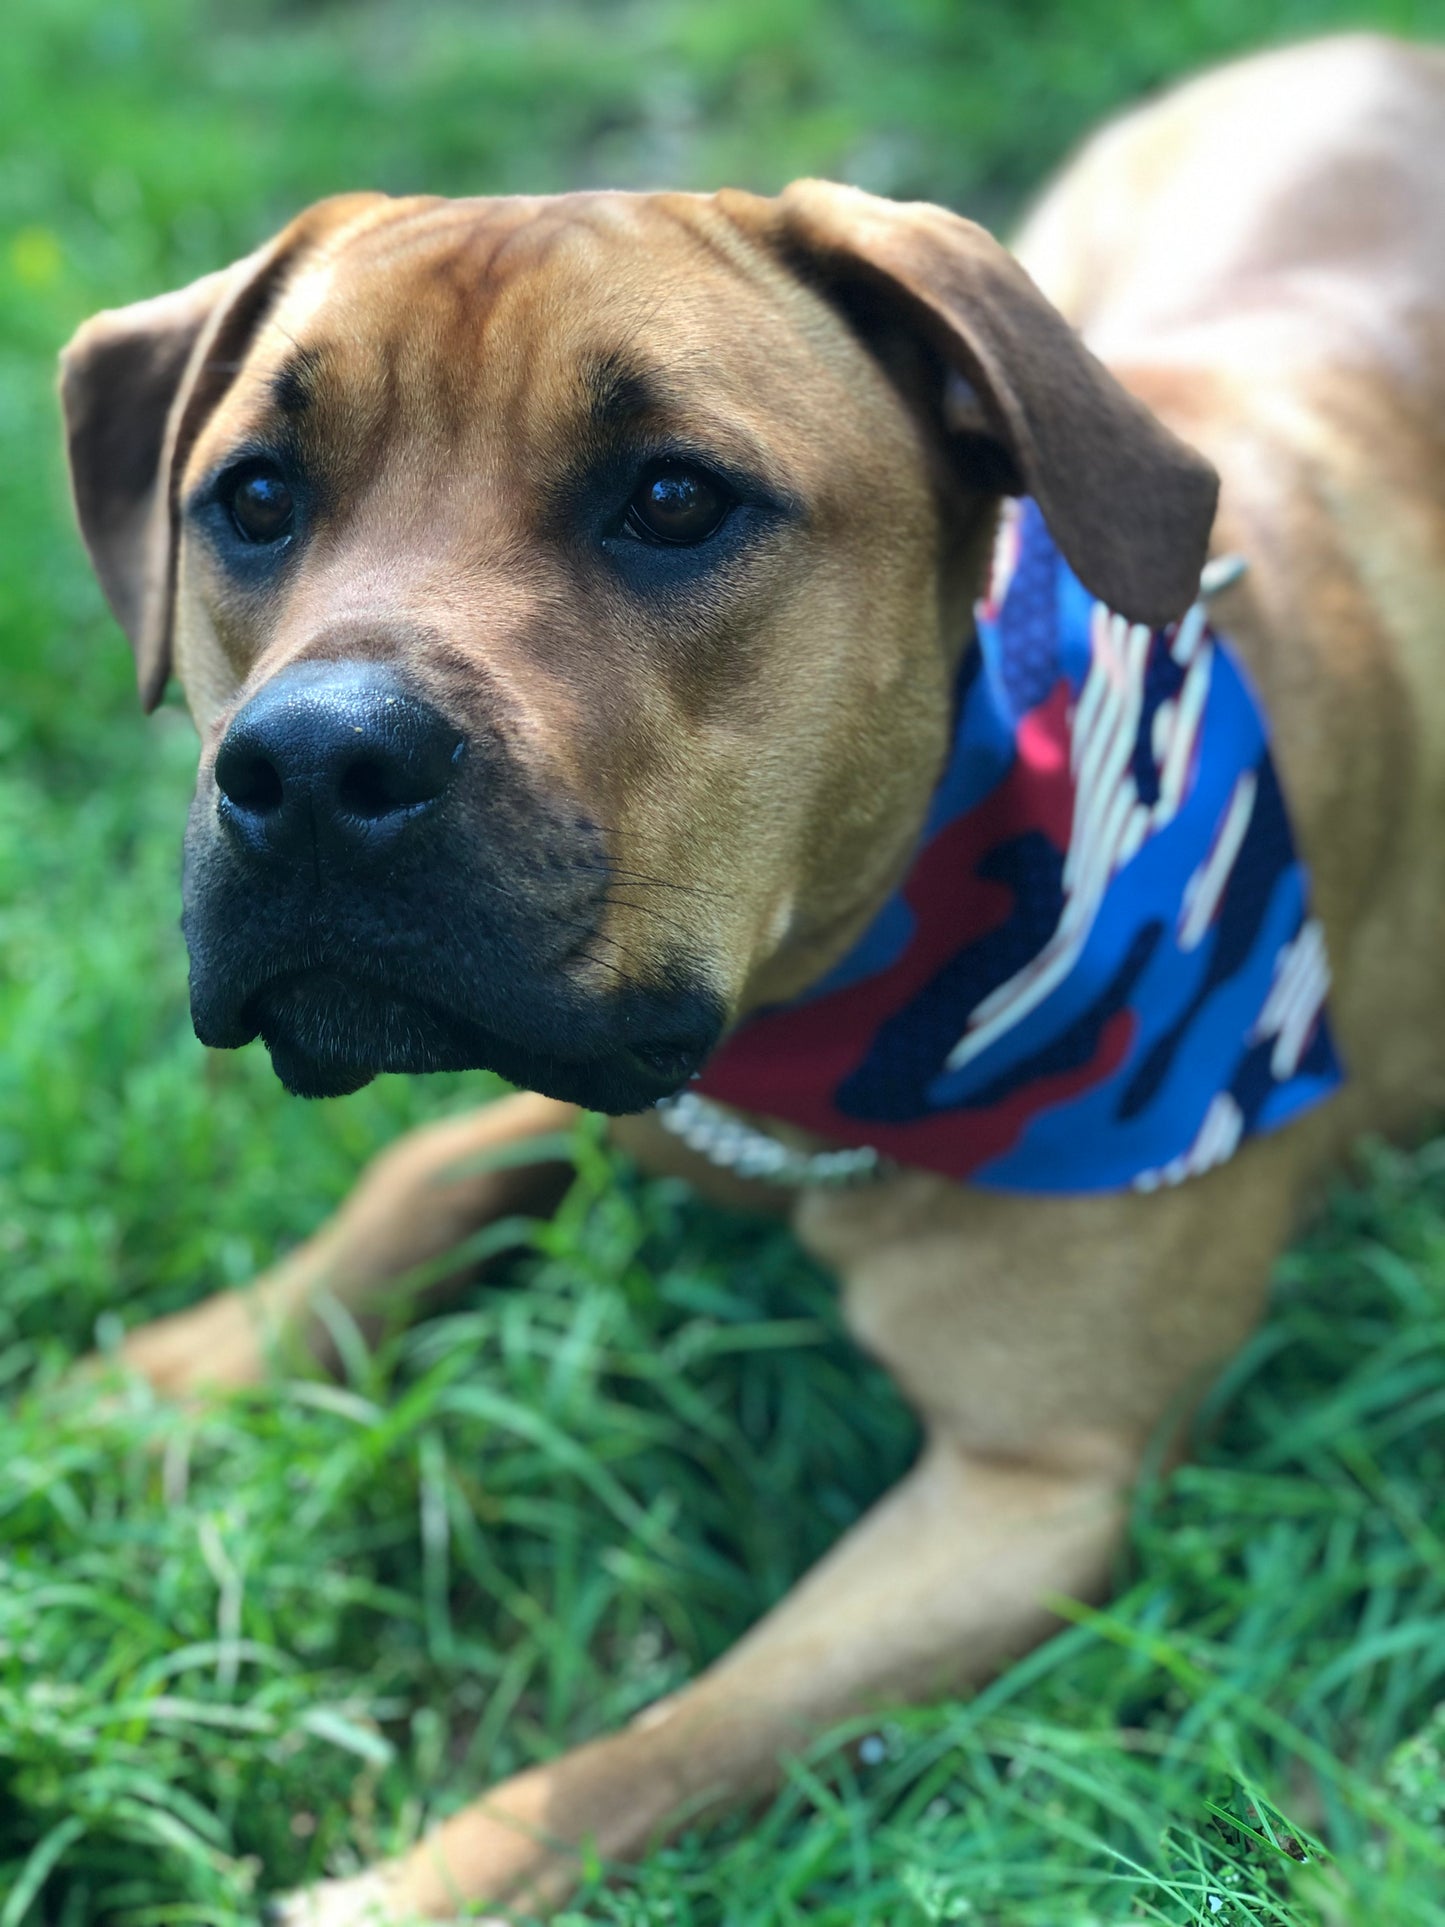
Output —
(217, 1345)
(362, 1902)
(367, 1900)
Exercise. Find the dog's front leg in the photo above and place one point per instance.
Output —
(414, 1204)
(942, 1580)
(1045, 1341)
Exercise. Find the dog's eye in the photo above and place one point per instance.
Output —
(678, 505)
(261, 504)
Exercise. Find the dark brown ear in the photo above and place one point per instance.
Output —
(136, 386)
(1129, 505)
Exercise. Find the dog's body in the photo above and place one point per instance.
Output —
(1260, 259)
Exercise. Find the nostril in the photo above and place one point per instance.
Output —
(371, 787)
(397, 777)
(251, 781)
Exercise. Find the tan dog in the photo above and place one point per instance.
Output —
(640, 524)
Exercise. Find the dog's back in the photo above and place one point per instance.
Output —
(1262, 257)
(1300, 195)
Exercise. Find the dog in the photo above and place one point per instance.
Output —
(578, 600)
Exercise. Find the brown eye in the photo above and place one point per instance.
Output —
(678, 505)
(261, 506)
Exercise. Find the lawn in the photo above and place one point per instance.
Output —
(241, 1649)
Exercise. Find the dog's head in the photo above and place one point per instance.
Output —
(569, 594)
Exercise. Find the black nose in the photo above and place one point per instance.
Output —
(330, 763)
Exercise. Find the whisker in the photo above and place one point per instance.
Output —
(602, 963)
(637, 880)
(654, 883)
(648, 910)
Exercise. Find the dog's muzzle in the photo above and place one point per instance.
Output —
(367, 889)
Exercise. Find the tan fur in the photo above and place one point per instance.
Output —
(1270, 280)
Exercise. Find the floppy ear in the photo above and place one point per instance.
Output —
(136, 386)
(1129, 505)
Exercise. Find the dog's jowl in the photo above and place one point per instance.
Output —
(1029, 681)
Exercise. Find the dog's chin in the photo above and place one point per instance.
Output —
(328, 1036)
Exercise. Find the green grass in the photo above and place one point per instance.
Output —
(238, 1651)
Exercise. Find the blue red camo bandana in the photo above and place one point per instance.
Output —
(1101, 971)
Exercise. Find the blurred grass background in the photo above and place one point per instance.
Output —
(323, 1615)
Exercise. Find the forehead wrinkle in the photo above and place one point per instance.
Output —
(480, 259)
(685, 332)
(444, 230)
(690, 392)
(293, 385)
(581, 405)
(717, 238)
(328, 405)
(436, 269)
(695, 424)
(617, 388)
(576, 379)
(458, 347)
(489, 356)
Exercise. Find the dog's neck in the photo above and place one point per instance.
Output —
(822, 928)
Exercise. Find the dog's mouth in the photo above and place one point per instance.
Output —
(329, 1033)
(476, 945)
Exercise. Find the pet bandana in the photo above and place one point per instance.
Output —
(1101, 971)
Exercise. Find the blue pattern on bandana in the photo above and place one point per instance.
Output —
(1101, 971)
